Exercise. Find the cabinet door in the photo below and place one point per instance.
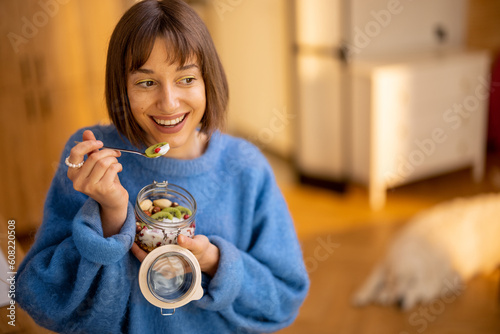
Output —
(381, 28)
(431, 117)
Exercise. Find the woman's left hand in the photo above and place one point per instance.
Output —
(205, 252)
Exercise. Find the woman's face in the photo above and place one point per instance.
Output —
(168, 101)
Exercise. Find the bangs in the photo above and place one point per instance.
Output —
(180, 48)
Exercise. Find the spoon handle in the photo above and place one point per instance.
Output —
(120, 149)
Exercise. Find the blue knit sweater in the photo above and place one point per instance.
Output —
(73, 280)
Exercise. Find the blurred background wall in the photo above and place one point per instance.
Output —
(278, 54)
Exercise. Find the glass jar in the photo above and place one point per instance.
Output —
(170, 275)
(175, 208)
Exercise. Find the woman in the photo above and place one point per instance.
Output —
(163, 79)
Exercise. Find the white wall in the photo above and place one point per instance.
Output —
(254, 43)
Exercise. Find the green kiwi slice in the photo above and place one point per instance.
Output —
(174, 211)
(183, 210)
(150, 151)
(161, 215)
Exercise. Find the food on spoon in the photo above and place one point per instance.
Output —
(157, 150)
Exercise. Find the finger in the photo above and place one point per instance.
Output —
(111, 174)
(101, 167)
(197, 245)
(79, 151)
(138, 252)
(88, 175)
(89, 135)
(185, 242)
(94, 161)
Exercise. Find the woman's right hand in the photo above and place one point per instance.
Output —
(98, 179)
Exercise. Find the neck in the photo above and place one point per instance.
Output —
(191, 150)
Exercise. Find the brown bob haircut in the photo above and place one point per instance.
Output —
(131, 45)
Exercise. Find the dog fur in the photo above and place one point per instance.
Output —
(435, 252)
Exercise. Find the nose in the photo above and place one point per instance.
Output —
(169, 100)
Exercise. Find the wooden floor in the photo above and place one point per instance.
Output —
(342, 239)
(335, 276)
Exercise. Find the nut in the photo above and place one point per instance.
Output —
(146, 205)
(162, 203)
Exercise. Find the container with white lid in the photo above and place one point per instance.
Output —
(170, 275)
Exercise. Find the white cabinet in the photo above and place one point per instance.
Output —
(338, 37)
(417, 117)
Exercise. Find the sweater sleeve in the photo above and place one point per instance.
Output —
(68, 279)
(260, 288)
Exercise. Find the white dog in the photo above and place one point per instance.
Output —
(436, 252)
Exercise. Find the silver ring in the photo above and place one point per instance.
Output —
(69, 164)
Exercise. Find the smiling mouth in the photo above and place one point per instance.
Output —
(169, 122)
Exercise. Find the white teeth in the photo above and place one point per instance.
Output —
(170, 122)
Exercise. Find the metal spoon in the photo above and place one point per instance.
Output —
(131, 151)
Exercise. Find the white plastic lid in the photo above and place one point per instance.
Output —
(170, 277)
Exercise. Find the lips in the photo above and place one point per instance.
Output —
(170, 125)
(169, 122)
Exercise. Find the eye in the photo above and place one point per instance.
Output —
(146, 83)
(186, 80)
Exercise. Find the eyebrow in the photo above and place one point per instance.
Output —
(180, 68)
(186, 67)
(143, 70)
